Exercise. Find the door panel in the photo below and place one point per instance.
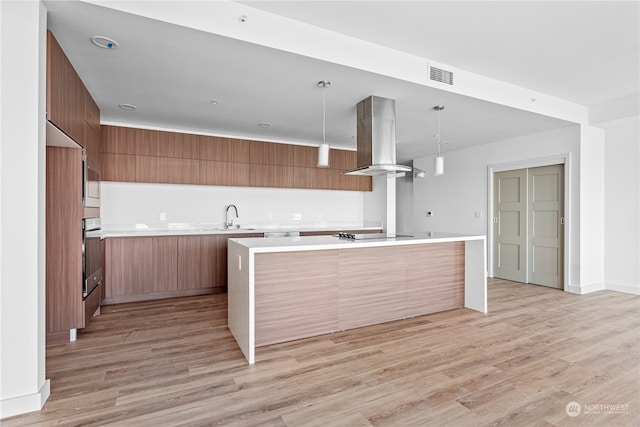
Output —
(545, 205)
(510, 220)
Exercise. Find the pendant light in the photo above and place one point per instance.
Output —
(323, 149)
(438, 165)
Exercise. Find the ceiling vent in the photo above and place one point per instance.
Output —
(442, 76)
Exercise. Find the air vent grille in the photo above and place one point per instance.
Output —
(442, 76)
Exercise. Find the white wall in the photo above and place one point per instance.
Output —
(622, 205)
(131, 203)
(591, 209)
(455, 197)
(23, 387)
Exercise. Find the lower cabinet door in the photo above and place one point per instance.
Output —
(197, 261)
(140, 265)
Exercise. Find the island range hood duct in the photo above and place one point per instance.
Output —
(376, 135)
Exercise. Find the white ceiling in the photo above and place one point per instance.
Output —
(583, 51)
(171, 72)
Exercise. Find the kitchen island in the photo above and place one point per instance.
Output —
(286, 288)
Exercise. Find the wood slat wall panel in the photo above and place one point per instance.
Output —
(373, 286)
(224, 173)
(296, 295)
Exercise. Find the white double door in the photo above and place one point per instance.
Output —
(528, 225)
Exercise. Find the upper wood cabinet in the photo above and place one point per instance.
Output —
(266, 153)
(224, 149)
(69, 105)
(141, 155)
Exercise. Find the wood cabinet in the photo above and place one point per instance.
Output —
(65, 93)
(142, 155)
(266, 153)
(436, 283)
(373, 286)
(72, 110)
(290, 306)
(221, 259)
(305, 293)
(197, 262)
(167, 170)
(63, 241)
(140, 266)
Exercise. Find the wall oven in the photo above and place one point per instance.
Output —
(91, 256)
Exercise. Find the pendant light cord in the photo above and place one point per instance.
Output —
(439, 109)
(324, 113)
(439, 135)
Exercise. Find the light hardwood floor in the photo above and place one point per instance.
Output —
(174, 362)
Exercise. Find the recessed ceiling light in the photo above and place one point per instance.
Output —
(127, 107)
(264, 124)
(213, 101)
(104, 42)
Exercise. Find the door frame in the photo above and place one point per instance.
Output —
(563, 159)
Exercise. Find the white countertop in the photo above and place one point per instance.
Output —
(186, 229)
(308, 243)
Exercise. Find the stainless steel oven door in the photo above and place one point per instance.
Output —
(91, 256)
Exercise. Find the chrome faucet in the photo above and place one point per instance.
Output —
(228, 223)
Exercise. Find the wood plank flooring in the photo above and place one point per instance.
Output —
(173, 362)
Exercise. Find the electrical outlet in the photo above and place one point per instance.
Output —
(269, 216)
(163, 216)
(296, 216)
(429, 214)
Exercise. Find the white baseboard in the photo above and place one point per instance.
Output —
(27, 403)
(628, 289)
(586, 289)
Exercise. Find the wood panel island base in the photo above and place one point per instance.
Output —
(286, 288)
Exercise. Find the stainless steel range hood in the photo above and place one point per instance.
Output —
(376, 135)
